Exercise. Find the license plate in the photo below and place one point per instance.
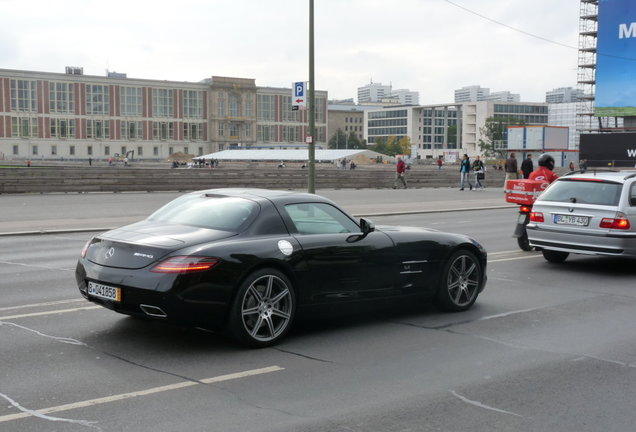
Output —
(104, 291)
(571, 220)
(522, 218)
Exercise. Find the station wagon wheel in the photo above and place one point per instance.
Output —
(460, 281)
(263, 309)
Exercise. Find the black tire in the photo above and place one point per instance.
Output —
(263, 309)
(524, 243)
(556, 257)
(460, 282)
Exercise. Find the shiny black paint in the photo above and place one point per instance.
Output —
(325, 270)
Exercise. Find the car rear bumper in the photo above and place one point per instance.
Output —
(611, 244)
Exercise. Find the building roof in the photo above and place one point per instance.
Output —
(287, 155)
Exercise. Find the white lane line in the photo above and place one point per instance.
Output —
(150, 391)
(35, 305)
(57, 338)
(51, 312)
(508, 252)
(514, 259)
(37, 266)
(481, 405)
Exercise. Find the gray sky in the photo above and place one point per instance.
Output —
(430, 46)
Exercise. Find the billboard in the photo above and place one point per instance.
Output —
(616, 59)
(609, 150)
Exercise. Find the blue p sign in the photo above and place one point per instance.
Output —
(299, 89)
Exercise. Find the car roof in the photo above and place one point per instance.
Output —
(615, 176)
(268, 194)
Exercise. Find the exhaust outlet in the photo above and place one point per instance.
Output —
(153, 311)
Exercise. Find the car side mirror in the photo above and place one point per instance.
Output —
(366, 226)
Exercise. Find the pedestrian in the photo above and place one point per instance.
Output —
(400, 173)
(512, 172)
(126, 161)
(110, 161)
(583, 165)
(571, 166)
(480, 172)
(439, 163)
(464, 173)
(527, 166)
(90, 161)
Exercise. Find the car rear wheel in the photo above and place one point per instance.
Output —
(263, 310)
(553, 256)
(461, 281)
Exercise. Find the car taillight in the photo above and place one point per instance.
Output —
(619, 222)
(525, 209)
(536, 217)
(185, 264)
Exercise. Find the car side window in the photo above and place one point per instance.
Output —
(632, 195)
(320, 218)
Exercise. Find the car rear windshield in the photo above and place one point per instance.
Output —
(219, 213)
(584, 192)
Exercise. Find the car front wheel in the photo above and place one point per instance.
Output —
(461, 281)
(263, 310)
(553, 256)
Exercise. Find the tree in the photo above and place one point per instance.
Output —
(353, 142)
(392, 145)
(495, 135)
(338, 140)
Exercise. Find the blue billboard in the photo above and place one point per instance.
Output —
(616, 59)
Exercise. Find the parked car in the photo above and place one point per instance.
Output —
(251, 260)
(591, 213)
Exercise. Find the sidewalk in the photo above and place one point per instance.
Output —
(39, 213)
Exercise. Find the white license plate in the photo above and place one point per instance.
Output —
(104, 291)
(522, 218)
(571, 220)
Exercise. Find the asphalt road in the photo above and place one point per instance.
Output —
(546, 348)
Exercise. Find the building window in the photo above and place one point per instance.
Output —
(193, 131)
(107, 150)
(53, 150)
(123, 150)
(155, 151)
(131, 130)
(24, 127)
(186, 150)
(15, 150)
(170, 150)
(288, 114)
(265, 133)
(162, 103)
(98, 129)
(265, 107)
(140, 151)
(62, 97)
(163, 130)
(221, 129)
(89, 150)
(97, 99)
(235, 105)
(23, 96)
(131, 101)
(249, 108)
(35, 150)
(221, 106)
(71, 150)
(200, 151)
(235, 130)
(62, 128)
(192, 104)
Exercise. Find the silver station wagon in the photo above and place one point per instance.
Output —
(592, 213)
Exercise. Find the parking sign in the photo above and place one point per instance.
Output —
(299, 100)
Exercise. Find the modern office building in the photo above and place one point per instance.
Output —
(477, 93)
(406, 97)
(348, 118)
(563, 95)
(72, 115)
(378, 93)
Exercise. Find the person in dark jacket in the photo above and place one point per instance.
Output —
(464, 173)
(527, 166)
(512, 172)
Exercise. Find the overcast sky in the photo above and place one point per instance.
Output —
(430, 46)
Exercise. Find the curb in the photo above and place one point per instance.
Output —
(412, 212)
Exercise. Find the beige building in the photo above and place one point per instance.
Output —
(71, 115)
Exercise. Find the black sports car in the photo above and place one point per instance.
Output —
(249, 260)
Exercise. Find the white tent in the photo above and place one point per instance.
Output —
(288, 155)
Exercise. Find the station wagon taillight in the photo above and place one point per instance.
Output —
(619, 222)
(536, 217)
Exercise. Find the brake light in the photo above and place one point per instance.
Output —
(619, 222)
(185, 264)
(525, 209)
(536, 217)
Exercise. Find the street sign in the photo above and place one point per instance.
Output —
(299, 95)
(309, 139)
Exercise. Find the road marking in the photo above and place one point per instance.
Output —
(515, 258)
(34, 305)
(150, 391)
(36, 266)
(53, 312)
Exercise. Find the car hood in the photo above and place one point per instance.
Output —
(140, 244)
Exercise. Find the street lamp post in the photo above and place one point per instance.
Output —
(311, 187)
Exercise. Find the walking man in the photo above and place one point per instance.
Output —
(527, 166)
(512, 172)
(400, 173)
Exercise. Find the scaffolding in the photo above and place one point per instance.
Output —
(586, 76)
